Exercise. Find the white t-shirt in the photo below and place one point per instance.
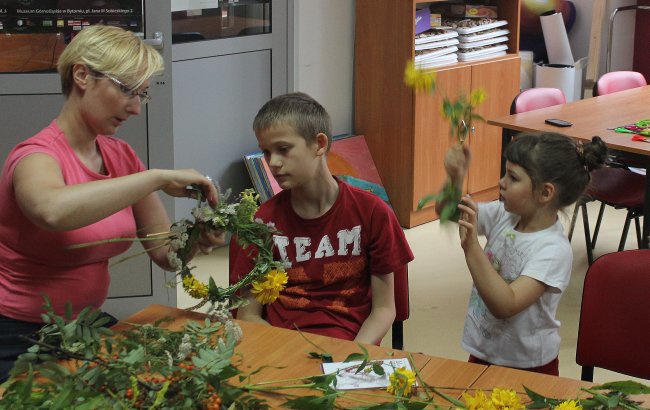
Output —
(529, 338)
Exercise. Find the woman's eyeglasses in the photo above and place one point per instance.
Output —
(124, 89)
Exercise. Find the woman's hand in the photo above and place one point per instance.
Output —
(467, 223)
(176, 183)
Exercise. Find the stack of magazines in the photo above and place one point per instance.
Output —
(480, 38)
(436, 47)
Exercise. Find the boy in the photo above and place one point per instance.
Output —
(340, 244)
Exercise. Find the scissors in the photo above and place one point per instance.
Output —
(640, 138)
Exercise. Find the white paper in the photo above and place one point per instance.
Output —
(346, 379)
(556, 40)
(567, 79)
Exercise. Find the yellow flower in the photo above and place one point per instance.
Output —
(478, 402)
(195, 288)
(401, 382)
(506, 399)
(418, 79)
(568, 405)
(477, 97)
(268, 291)
(247, 205)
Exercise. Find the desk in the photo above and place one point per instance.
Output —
(549, 386)
(287, 351)
(593, 116)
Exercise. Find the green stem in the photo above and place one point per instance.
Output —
(255, 387)
(112, 240)
(293, 379)
(135, 255)
(309, 341)
(417, 375)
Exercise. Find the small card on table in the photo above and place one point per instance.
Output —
(347, 379)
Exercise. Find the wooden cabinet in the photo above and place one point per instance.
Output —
(405, 131)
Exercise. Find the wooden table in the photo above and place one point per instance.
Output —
(595, 116)
(549, 386)
(287, 351)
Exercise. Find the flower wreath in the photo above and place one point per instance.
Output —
(267, 278)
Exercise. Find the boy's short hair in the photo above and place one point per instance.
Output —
(109, 50)
(298, 110)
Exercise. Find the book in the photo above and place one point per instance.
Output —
(349, 159)
(348, 379)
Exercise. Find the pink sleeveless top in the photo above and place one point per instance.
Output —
(36, 262)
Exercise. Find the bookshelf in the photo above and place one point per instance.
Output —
(405, 131)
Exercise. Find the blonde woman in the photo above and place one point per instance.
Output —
(74, 182)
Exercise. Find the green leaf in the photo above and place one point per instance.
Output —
(26, 390)
(64, 399)
(86, 334)
(68, 310)
(627, 387)
(378, 369)
(324, 357)
(99, 323)
(414, 405)
(426, 199)
(353, 357)
(135, 356)
(613, 401)
(381, 406)
(324, 381)
(534, 396)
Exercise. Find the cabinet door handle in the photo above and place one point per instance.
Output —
(473, 129)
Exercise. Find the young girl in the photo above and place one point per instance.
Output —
(526, 264)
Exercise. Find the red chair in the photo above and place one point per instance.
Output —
(614, 185)
(618, 81)
(529, 100)
(613, 82)
(402, 306)
(619, 188)
(612, 333)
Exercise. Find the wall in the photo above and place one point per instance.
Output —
(623, 39)
(641, 55)
(323, 56)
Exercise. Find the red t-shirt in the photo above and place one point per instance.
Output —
(34, 261)
(329, 261)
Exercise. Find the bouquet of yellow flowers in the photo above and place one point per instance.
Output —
(460, 114)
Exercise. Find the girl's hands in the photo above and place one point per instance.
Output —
(467, 223)
(176, 183)
(457, 160)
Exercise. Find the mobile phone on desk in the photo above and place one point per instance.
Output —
(558, 123)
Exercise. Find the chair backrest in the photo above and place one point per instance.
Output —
(613, 334)
(618, 81)
(529, 100)
(536, 98)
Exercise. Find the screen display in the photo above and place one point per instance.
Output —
(33, 33)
